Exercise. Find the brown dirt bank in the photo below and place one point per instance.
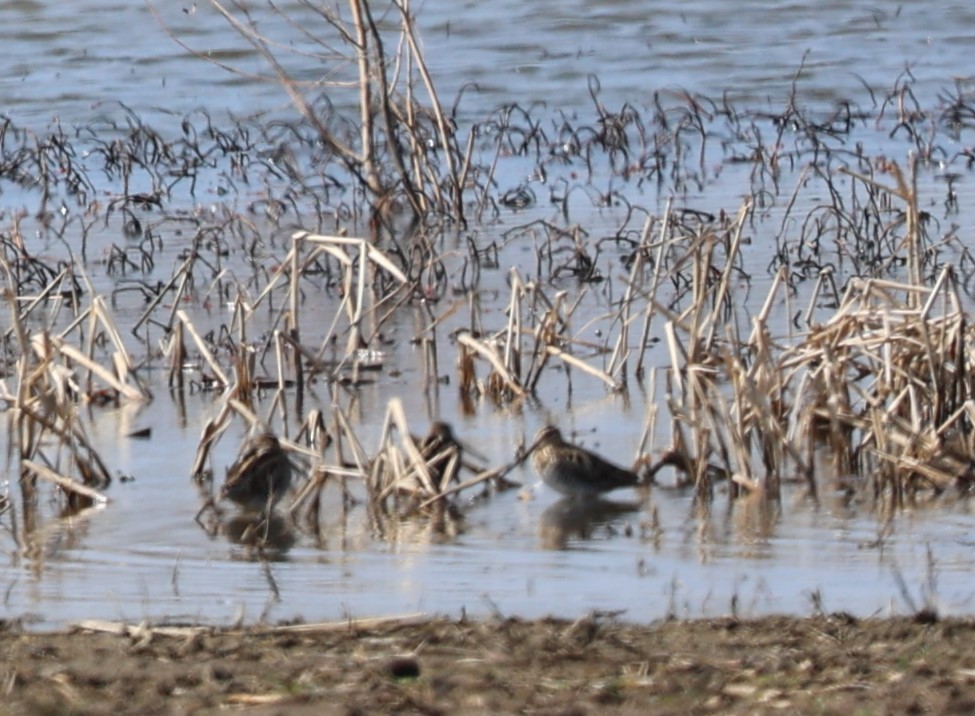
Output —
(834, 664)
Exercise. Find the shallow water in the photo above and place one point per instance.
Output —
(143, 556)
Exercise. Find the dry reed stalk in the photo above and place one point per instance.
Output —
(61, 421)
(444, 134)
(311, 492)
(700, 403)
(650, 419)
(287, 262)
(50, 291)
(505, 353)
(182, 275)
(614, 385)
(65, 483)
(23, 345)
(299, 350)
(905, 189)
(658, 269)
(393, 122)
(73, 354)
(318, 439)
(396, 418)
(204, 350)
(721, 296)
(176, 351)
(508, 382)
(212, 430)
(768, 393)
(757, 424)
(824, 280)
(547, 333)
(619, 358)
(512, 353)
(358, 300)
(722, 430)
(344, 434)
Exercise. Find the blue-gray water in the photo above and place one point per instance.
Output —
(143, 556)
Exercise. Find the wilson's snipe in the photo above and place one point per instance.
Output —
(438, 449)
(574, 471)
(261, 475)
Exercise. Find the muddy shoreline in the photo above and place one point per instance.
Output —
(419, 664)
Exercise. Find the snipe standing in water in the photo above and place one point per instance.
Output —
(261, 476)
(438, 448)
(575, 471)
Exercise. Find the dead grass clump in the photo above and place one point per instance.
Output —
(57, 374)
(536, 331)
(888, 383)
(880, 394)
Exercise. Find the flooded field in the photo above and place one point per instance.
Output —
(658, 231)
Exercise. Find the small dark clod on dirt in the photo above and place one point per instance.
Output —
(402, 667)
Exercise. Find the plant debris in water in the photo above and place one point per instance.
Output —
(856, 366)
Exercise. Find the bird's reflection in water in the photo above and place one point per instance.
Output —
(579, 519)
(269, 536)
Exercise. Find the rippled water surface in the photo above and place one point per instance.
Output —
(519, 552)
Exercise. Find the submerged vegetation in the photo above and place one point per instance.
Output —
(198, 251)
